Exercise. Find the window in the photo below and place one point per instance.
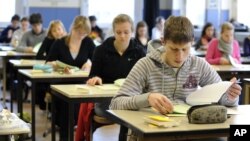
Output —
(243, 12)
(195, 11)
(106, 10)
(7, 10)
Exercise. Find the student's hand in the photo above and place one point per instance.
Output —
(160, 102)
(28, 49)
(87, 66)
(94, 81)
(234, 91)
(224, 61)
(53, 64)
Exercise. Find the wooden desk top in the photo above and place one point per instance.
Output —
(6, 48)
(77, 74)
(14, 53)
(201, 53)
(231, 68)
(135, 120)
(26, 62)
(73, 90)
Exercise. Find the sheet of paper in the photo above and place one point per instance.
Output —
(83, 88)
(37, 47)
(231, 111)
(208, 94)
(108, 87)
(181, 108)
(233, 63)
(119, 82)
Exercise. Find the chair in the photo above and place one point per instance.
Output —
(96, 122)
(47, 100)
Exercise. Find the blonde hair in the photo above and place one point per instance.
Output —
(122, 18)
(226, 26)
(52, 25)
(80, 23)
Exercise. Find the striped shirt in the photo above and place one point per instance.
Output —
(151, 74)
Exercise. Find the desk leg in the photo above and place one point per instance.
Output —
(20, 96)
(33, 112)
(4, 81)
(71, 122)
(246, 99)
(12, 79)
(53, 117)
(123, 133)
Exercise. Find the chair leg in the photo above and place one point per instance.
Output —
(48, 131)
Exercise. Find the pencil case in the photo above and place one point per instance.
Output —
(206, 114)
(44, 67)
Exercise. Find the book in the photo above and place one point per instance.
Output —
(37, 47)
(119, 82)
(208, 94)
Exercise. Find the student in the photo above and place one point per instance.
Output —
(96, 32)
(74, 49)
(157, 31)
(159, 79)
(18, 34)
(246, 46)
(56, 31)
(207, 34)
(141, 34)
(7, 33)
(33, 37)
(112, 60)
(220, 50)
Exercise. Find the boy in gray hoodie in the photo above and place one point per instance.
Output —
(168, 74)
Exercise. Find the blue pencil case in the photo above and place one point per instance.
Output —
(44, 67)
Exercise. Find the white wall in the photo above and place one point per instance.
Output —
(166, 4)
(54, 3)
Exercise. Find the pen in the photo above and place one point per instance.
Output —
(238, 81)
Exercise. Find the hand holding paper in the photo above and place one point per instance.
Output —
(209, 93)
(234, 91)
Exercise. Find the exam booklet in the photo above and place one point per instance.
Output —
(208, 94)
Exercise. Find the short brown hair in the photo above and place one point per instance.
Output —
(139, 25)
(226, 26)
(122, 18)
(178, 29)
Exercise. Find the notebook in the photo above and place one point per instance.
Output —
(208, 94)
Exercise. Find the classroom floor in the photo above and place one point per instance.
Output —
(106, 133)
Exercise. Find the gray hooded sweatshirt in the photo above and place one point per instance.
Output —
(152, 74)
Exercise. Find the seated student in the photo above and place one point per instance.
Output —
(7, 33)
(74, 49)
(141, 34)
(96, 32)
(36, 35)
(18, 34)
(159, 79)
(220, 50)
(207, 34)
(56, 31)
(157, 31)
(246, 46)
(112, 60)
